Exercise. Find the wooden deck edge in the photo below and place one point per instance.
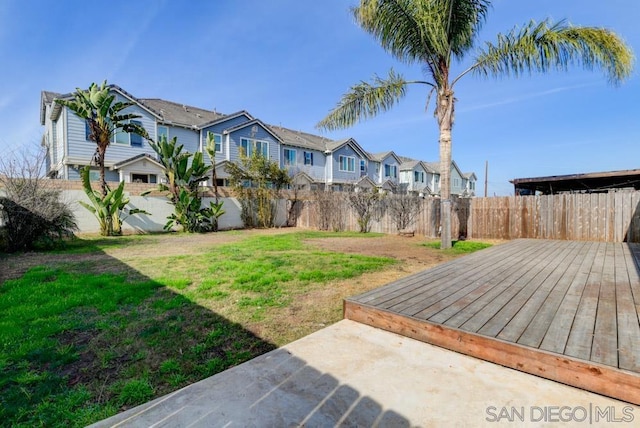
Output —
(598, 378)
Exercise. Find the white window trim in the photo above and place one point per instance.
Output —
(158, 131)
(393, 170)
(215, 134)
(340, 157)
(253, 143)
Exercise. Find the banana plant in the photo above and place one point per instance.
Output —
(215, 211)
(184, 172)
(110, 210)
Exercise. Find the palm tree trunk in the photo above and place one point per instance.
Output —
(444, 114)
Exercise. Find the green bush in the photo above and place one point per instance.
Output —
(40, 219)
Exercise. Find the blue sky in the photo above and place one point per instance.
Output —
(288, 62)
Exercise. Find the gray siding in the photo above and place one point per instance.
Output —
(373, 171)
(345, 176)
(58, 143)
(315, 171)
(457, 184)
(80, 149)
(389, 160)
(219, 128)
(190, 139)
(262, 135)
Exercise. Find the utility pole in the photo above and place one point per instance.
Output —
(486, 177)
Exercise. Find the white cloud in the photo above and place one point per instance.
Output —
(142, 25)
(5, 101)
(525, 97)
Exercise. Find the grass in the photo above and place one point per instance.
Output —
(82, 341)
(459, 247)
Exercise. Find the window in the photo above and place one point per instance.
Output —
(363, 167)
(136, 140)
(144, 178)
(121, 137)
(456, 182)
(254, 146)
(87, 130)
(217, 140)
(347, 163)
(418, 176)
(163, 131)
(308, 158)
(289, 157)
(390, 170)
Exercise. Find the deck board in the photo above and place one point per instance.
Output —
(543, 299)
(628, 325)
(463, 295)
(563, 310)
(550, 329)
(580, 339)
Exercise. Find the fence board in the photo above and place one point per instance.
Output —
(604, 217)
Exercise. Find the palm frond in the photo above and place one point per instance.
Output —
(546, 46)
(365, 100)
(423, 31)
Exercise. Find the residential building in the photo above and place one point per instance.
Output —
(314, 162)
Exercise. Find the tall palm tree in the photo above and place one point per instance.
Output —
(104, 118)
(440, 33)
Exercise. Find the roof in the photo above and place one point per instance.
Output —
(301, 139)
(223, 118)
(468, 175)
(409, 165)
(180, 114)
(137, 158)
(335, 145)
(253, 122)
(48, 96)
(379, 156)
(432, 166)
(593, 182)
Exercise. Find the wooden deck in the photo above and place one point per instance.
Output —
(563, 310)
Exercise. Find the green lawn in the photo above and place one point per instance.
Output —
(85, 339)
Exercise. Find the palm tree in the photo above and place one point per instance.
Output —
(435, 33)
(105, 118)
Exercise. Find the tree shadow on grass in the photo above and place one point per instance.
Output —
(84, 336)
(87, 336)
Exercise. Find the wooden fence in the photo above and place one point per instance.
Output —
(427, 222)
(606, 217)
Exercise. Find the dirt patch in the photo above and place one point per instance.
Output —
(15, 265)
(409, 250)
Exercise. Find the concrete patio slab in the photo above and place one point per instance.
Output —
(350, 374)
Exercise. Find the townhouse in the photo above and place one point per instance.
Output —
(314, 162)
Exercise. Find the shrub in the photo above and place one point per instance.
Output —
(32, 212)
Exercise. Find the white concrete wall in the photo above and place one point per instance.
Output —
(160, 208)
